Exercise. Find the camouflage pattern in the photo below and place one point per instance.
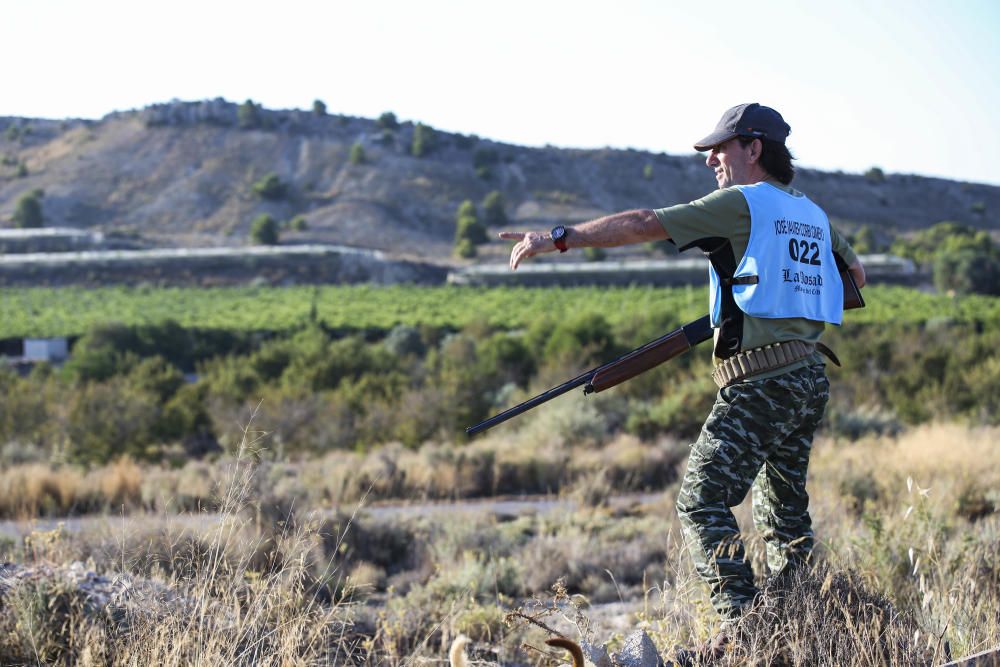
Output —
(758, 434)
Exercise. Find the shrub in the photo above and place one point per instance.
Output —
(298, 224)
(484, 157)
(594, 254)
(319, 107)
(28, 210)
(465, 249)
(270, 187)
(943, 237)
(264, 230)
(647, 172)
(875, 175)
(467, 224)
(483, 160)
(358, 154)
(387, 121)
(493, 209)
(864, 240)
(423, 140)
(109, 419)
(967, 272)
(248, 115)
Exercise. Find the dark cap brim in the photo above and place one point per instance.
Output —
(714, 139)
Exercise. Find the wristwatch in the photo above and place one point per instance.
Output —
(558, 235)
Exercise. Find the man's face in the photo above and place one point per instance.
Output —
(732, 162)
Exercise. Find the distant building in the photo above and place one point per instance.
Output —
(45, 349)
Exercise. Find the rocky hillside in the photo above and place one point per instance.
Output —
(184, 174)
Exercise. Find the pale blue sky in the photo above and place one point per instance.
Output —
(909, 86)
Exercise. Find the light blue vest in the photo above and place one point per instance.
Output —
(791, 255)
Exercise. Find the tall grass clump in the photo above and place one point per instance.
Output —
(251, 591)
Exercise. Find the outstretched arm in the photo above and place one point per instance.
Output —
(637, 226)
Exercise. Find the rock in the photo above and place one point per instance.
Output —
(596, 654)
(638, 651)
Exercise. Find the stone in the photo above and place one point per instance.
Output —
(638, 651)
(598, 655)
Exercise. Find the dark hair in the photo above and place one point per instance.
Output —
(775, 158)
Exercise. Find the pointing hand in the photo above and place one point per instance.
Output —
(528, 244)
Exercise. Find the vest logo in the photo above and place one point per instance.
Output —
(802, 278)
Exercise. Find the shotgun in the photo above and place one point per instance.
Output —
(644, 358)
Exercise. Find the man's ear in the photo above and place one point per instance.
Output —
(756, 150)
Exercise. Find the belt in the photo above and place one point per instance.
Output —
(767, 358)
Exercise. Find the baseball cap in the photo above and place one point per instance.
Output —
(747, 120)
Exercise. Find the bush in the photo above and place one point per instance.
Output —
(943, 237)
(469, 229)
(248, 115)
(967, 272)
(483, 160)
(109, 419)
(875, 175)
(358, 154)
(493, 210)
(319, 107)
(387, 121)
(270, 187)
(423, 140)
(298, 224)
(594, 254)
(264, 230)
(864, 240)
(465, 249)
(647, 172)
(484, 157)
(28, 210)
(467, 225)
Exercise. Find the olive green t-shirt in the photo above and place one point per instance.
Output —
(726, 214)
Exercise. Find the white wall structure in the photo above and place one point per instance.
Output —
(45, 349)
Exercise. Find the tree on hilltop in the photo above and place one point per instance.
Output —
(423, 140)
(319, 107)
(248, 115)
(387, 121)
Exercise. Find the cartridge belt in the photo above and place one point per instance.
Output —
(767, 358)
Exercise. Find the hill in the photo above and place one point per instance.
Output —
(183, 174)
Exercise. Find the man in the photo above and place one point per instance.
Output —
(774, 283)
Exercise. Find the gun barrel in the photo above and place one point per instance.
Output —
(530, 403)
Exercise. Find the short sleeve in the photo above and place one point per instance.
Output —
(711, 216)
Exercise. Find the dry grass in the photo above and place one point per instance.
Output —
(908, 570)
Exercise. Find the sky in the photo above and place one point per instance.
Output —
(911, 87)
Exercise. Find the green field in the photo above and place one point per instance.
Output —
(42, 312)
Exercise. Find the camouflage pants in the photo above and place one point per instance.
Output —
(759, 433)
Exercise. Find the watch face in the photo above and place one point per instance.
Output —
(558, 233)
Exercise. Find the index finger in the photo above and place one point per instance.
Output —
(512, 236)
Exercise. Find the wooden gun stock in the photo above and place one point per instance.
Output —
(650, 355)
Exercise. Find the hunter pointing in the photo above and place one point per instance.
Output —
(774, 284)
